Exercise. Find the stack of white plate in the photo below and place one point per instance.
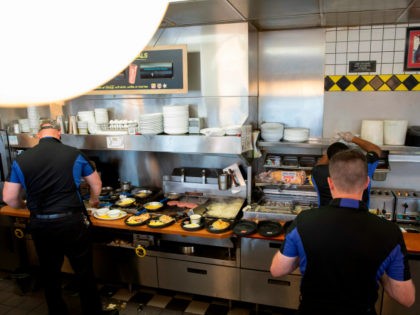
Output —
(151, 123)
(101, 116)
(296, 134)
(175, 119)
(33, 117)
(272, 131)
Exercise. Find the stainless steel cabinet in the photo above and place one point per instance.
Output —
(203, 279)
(257, 253)
(259, 287)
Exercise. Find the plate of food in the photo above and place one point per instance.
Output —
(161, 221)
(187, 225)
(136, 220)
(111, 215)
(218, 226)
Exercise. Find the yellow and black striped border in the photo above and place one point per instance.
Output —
(368, 83)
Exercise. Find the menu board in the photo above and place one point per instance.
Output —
(156, 70)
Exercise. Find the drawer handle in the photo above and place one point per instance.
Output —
(199, 271)
(279, 282)
(274, 245)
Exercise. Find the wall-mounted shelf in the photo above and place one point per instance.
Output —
(230, 145)
(317, 145)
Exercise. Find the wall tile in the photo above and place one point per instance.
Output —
(387, 68)
(398, 68)
(364, 47)
(341, 59)
(329, 69)
(340, 69)
(389, 33)
(400, 33)
(352, 57)
(376, 45)
(376, 56)
(353, 35)
(388, 45)
(399, 57)
(342, 36)
(377, 34)
(353, 47)
(388, 57)
(400, 45)
(341, 47)
(365, 34)
(364, 56)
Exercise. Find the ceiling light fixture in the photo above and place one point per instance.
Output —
(53, 50)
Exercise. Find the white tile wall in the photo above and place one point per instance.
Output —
(383, 43)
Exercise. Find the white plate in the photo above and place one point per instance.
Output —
(106, 217)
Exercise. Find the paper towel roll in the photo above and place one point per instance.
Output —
(373, 131)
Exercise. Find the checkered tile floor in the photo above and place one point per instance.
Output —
(25, 298)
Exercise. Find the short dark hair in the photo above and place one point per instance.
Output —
(348, 170)
(335, 148)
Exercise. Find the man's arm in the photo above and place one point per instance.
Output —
(367, 146)
(282, 265)
(95, 184)
(12, 195)
(403, 292)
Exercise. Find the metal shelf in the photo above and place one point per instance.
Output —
(200, 144)
(397, 153)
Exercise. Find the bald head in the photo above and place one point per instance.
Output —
(49, 129)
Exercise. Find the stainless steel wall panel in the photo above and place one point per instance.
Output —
(291, 78)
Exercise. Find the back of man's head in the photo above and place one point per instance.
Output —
(348, 171)
(335, 148)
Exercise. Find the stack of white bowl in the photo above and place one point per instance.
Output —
(24, 125)
(175, 119)
(151, 124)
(296, 134)
(82, 127)
(88, 118)
(272, 131)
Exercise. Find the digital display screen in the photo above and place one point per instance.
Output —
(156, 70)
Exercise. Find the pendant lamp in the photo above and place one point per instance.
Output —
(53, 50)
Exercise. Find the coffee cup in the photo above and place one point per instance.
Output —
(195, 218)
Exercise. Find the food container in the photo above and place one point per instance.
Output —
(195, 218)
(373, 131)
(395, 132)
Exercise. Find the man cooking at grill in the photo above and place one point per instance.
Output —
(50, 173)
(320, 171)
(343, 251)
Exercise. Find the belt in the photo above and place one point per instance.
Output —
(54, 215)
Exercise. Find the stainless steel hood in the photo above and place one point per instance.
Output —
(292, 14)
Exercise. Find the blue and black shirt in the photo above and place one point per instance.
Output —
(343, 252)
(51, 173)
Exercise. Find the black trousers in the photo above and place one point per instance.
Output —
(54, 239)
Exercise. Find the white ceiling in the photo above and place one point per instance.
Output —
(268, 15)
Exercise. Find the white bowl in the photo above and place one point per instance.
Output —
(114, 213)
(195, 218)
(101, 211)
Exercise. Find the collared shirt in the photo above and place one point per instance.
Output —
(51, 173)
(343, 251)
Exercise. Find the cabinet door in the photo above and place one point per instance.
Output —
(259, 287)
(204, 279)
(257, 253)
